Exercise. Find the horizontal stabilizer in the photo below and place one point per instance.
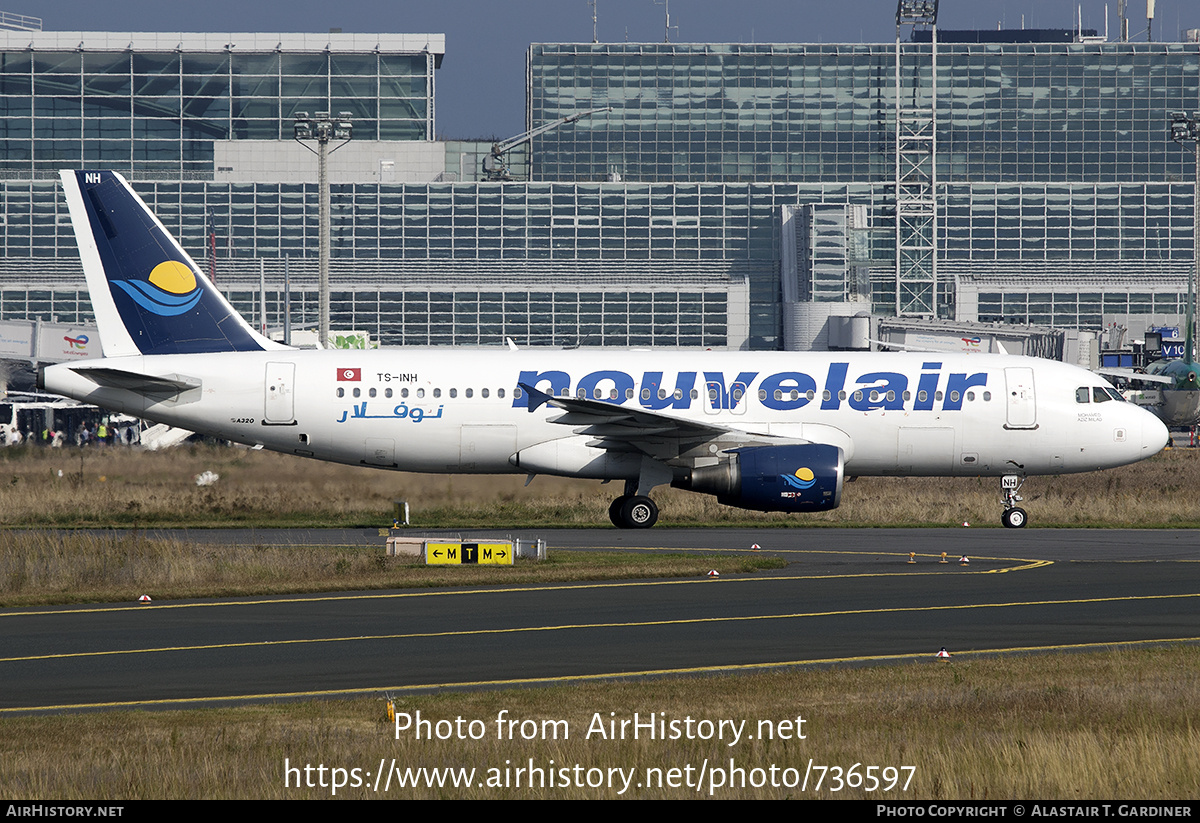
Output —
(139, 383)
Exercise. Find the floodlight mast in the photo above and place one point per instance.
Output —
(914, 187)
(322, 128)
(1185, 130)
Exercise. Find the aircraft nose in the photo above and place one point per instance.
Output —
(1155, 435)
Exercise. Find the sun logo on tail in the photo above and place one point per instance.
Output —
(802, 479)
(172, 289)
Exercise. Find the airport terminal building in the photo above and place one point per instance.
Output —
(735, 196)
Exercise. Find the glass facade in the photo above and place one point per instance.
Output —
(158, 109)
(467, 316)
(1035, 222)
(471, 317)
(1053, 161)
(1060, 198)
(663, 235)
(1079, 112)
(1083, 309)
(569, 264)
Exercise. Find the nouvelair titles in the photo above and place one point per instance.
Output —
(781, 391)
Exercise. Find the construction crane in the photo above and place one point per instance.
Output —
(494, 167)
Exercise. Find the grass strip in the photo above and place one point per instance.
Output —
(131, 488)
(1122, 725)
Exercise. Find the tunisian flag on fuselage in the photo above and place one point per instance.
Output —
(349, 374)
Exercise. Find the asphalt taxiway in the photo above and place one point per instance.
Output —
(847, 596)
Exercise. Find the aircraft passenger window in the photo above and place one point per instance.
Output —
(795, 394)
(987, 395)
(404, 393)
(762, 394)
(922, 396)
(954, 397)
(841, 395)
(712, 394)
(891, 396)
(612, 394)
(858, 395)
(387, 392)
(453, 393)
(1099, 395)
(907, 396)
(1081, 394)
(357, 392)
(695, 394)
(483, 393)
(937, 396)
(662, 394)
(678, 394)
(629, 394)
(737, 394)
(778, 394)
(341, 392)
(825, 395)
(597, 393)
(370, 393)
(874, 395)
(420, 392)
(581, 394)
(437, 392)
(971, 396)
(645, 394)
(470, 392)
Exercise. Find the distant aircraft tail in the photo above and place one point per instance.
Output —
(148, 295)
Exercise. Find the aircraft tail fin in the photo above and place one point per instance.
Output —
(148, 295)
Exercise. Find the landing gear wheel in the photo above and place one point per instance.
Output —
(637, 512)
(614, 511)
(1014, 518)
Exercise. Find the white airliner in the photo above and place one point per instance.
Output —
(773, 431)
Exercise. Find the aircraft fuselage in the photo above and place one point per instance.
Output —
(456, 410)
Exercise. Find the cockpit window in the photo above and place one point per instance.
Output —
(1081, 394)
(1100, 395)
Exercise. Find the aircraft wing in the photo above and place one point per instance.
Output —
(662, 436)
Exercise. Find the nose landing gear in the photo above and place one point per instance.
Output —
(1014, 517)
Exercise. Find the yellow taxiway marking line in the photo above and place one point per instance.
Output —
(579, 678)
(579, 626)
(505, 589)
(1026, 563)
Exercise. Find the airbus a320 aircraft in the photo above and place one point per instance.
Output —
(773, 431)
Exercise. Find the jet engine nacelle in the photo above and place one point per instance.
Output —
(802, 478)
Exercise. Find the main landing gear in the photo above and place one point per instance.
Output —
(1014, 516)
(633, 511)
